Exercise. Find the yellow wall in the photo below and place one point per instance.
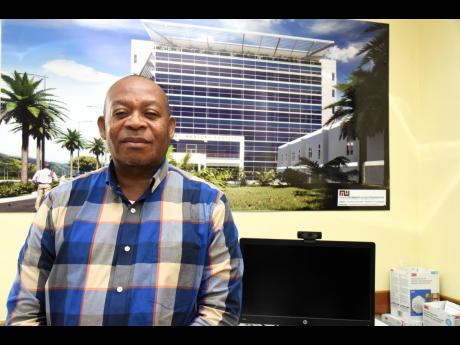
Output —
(437, 131)
(421, 228)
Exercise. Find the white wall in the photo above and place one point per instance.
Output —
(328, 68)
(142, 49)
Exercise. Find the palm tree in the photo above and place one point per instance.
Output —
(185, 164)
(331, 170)
(25, 106)
(169, 155)
(348, 109)
(97, 147)
(44, 128)
(72, 140)
(364, 103)
(376, 54)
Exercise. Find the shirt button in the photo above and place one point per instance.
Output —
(133, 210)
(119, 289)
(127, 248)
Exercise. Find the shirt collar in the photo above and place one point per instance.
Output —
(159, 175)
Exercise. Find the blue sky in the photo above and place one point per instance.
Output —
(81, 58)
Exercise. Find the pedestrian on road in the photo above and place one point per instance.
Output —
(43, 179)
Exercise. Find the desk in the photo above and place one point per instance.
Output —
(377, 322)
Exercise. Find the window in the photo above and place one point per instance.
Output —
(310, 152)
(135, 58)
(333, 76)
(319, 151)
(349, 148)
(333, 92)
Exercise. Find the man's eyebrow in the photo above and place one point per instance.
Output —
(128, 102)
(120, 102)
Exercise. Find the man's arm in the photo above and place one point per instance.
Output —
(26, 301)
(35, 177)
(219, 298)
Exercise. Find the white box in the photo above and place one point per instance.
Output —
(410, 289)
(392, 320)
(441, 313)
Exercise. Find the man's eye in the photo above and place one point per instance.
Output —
(120, 113)
(151, 114)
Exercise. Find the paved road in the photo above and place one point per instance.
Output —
(18, 206)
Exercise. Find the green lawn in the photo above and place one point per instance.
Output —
(274, 198)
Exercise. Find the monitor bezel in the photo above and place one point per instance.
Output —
(286, 320)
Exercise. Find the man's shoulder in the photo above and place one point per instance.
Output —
(60, 194)
(190, 181)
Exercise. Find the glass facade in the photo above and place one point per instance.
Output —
(268, 101)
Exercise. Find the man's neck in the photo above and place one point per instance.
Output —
(133, 181)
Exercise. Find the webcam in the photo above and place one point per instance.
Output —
(309, 235)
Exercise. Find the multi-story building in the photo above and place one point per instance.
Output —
(237, 95)
(325, 144)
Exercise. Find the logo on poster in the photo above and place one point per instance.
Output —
(344, 192)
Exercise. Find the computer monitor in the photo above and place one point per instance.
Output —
(298, 282)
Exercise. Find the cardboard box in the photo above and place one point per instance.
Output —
(441, 313)
(410, 289)
(392, 320)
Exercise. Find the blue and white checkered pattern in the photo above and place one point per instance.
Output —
(93, 258)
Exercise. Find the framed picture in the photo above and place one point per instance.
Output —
(280, 114)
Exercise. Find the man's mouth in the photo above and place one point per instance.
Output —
(135, 142)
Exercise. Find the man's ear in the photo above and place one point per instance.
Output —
(101, 125)
(172, 127)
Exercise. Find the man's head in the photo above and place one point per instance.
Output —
(137, 124)
(47, 165)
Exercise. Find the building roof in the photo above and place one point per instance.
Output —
(243, 42)
(328, 127)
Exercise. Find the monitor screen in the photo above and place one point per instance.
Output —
(297, 282)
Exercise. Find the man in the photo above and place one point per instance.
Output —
(137, 243)
(43, 179)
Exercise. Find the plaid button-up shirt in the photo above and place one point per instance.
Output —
(93, 258)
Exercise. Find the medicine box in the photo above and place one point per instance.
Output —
(410, 289)
(441, 313)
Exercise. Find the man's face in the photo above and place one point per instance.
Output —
(137, 125)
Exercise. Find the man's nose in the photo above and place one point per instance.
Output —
(135, 120)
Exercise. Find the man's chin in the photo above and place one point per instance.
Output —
(136, 162)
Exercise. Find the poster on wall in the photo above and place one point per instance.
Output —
(282, 115)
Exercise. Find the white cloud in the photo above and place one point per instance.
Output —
(129, 25)
(344, 54)
(332, 26)
(76, 71)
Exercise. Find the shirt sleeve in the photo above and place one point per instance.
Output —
(220, 294)
(35, 177)
(26, 300)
